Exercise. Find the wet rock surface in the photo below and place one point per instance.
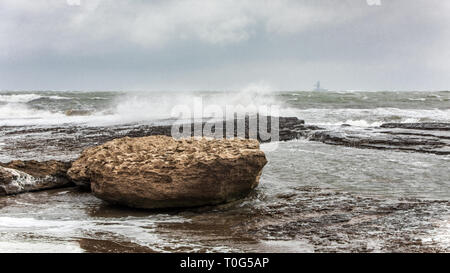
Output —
(23, 176)
(302, 219)
(419, 126)
(298, 218)
(161, 172)
(67, 142)
(344, 222)
(327, 221)
(431, 138)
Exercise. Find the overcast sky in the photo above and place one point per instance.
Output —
(224, 44)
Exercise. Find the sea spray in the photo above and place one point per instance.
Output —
(49, 108)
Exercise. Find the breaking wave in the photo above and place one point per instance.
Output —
(24, 98)
(105, 108)
(369, 117)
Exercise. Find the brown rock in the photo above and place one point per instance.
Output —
(78, 112)
(40, 169)
(160, 172)
(23, 176)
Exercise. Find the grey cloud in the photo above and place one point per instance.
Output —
(104, 44)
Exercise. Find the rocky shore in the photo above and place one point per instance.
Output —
(389, 137)
(292, 221)
(23, 176)
(114, 165)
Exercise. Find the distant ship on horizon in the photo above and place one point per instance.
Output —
(318, 88)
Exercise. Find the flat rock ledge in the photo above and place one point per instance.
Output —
(25, 176)
(433, 138)
(435, 126)
(163, 172)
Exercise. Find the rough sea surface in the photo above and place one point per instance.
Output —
(312, 197)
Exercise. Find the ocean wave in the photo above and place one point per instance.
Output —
(143, 107)
(132, 107)
(22, 98)
(55, 98)
(25, 98)
(151, 106)
(368, 117)
(20, 114)
(417, 99)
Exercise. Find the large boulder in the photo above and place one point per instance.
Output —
(23, 176)
(162, 172)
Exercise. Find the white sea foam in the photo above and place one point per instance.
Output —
(442, 234)
(23, 98)
(58, 98)
(39, 247)
(159, 105)
(417, 99)
(363, 123)
(139, 230)
(23, 182)
(368, 117)
(22, 114)
(132, 107)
